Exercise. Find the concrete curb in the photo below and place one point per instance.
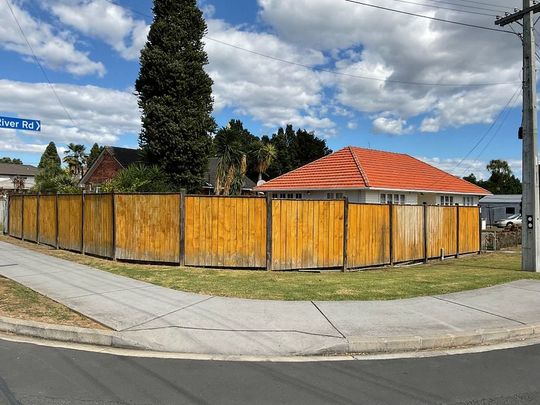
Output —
(447, 341)
(354, 345)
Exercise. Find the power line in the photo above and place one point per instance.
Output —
(429, 18)
(39, 63)
(334, 72)
(474, 7)
(445, 8)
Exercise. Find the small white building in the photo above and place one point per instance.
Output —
(12, 175)
(372, 176)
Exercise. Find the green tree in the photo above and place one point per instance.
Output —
(94, 153)
(471, 178)
(264, 154)
(232, 161)
(76, 159)
(13, 161)
(51, 178)
(501, 180)
(175, 93)
(139, 178)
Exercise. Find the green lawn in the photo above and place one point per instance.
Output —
(452, 275)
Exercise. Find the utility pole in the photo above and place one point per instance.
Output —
(531, 199)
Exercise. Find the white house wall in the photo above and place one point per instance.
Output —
(374, 196)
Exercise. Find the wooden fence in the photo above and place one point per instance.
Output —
(244, 232)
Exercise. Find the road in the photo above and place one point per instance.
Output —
(31, 374)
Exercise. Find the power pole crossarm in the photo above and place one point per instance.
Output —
(531, 194)
(517, 15)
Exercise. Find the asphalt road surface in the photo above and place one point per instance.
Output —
(31, 374)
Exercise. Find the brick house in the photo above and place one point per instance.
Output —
(374, 177)
(113, 159)
(110, 161)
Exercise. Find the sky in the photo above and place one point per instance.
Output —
(356, 75)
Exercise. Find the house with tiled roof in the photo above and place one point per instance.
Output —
(373, 176)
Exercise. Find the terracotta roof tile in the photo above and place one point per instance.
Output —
(358, 168)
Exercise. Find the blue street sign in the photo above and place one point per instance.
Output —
(20, 123)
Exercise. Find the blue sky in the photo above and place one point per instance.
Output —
(355, 90)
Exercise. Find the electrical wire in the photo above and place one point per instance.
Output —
(445, 8)
(429, 18)
(39, 64)
(474, 7)
(334, 72)
(494, 134)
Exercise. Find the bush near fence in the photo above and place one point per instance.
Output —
(244, 232)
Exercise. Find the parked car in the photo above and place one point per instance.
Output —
(510, 221)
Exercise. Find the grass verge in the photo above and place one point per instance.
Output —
(17, 301)
(467, 273)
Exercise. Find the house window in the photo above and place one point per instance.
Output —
(447, 200)
(274, 195)
(339, 196)
(468, 201)
(510, 210)
(392, 199)
(329, 196)
(282, 195)
(298, 196)
(290, 195)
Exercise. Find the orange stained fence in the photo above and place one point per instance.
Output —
(98, 225)
(225, 231)
(15, 216)
(148, 227)
(407, 232)
(307, 234)
(47, 220)
(442, 231)
(469, 234)
(70, 222)
(30, 224)
(368, 240)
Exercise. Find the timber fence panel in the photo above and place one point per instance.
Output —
(30, 224)
(148, 227)
(368, 241)
(225, 231)
(15, 216)
(307, 234)
(47, 219)
(469, 229)
(99, 225)
(441, 231)
(408, 232)
(70, 222)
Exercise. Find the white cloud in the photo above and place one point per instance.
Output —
(459, 167)
(392, 126)
(99, 115)
(401, 50)
(53, 48)
(272, 92)
(108, 22)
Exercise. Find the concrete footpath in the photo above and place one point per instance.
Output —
(155, 318)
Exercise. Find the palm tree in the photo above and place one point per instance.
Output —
(265, 154)
(231, 169)
(75, 159)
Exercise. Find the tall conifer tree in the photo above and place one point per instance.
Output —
(175, 93)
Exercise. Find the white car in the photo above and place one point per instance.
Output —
(510, 221)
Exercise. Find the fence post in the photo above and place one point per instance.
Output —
(113, 226)
(269, 232)
(22, 217)
(182, 251)
(479, 231)
(56, 219)
(391, 238)
(425, 233)
(83, 200)
(345, 233)
(38, 203)
(457, 231)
